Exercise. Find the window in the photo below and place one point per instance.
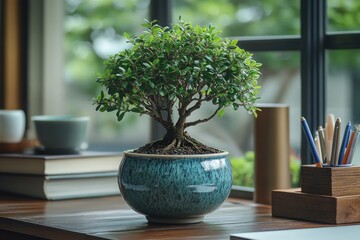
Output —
(243, 18)
(343, 15)
(342, 43)
(309, 50)
(249, 21)
(93, 31)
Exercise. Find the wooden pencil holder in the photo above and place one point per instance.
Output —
(327, 195)
(330, 181)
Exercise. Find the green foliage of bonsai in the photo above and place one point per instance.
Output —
(178, 69)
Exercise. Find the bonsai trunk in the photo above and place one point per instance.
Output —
(176, 137)
(176, 141)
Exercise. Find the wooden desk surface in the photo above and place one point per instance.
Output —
(111, 218)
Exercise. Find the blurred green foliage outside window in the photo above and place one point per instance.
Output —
(93, 31)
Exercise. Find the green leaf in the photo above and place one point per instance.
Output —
(127, 35)
(147, 24)
(223, 69)
(208, 58)
(147, 65)
(233, 42)
(136, 110)
(221, 112)
(236, 106)
(121, 116)
(209, 67)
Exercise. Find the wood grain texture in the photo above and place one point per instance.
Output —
(111, 218)
(272, 151)
(12, 69)
(320, 208)
(19, 147)
(333, 181)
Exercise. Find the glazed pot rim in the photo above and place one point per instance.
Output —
(174, 156)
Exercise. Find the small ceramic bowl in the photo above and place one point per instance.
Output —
(61, 134)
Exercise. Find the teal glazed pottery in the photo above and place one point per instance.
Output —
(175, 189)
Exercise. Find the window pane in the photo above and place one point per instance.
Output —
(280, 82)
(93, 31)
(243, 18)
(343, 15)
(343, 87)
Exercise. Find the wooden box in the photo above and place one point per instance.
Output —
(330, 181)
(295, 204)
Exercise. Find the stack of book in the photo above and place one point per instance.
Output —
(55, 177)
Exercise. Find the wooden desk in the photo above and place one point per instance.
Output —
(111, 218)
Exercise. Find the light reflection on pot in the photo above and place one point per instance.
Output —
(213, 164)
(204, 188)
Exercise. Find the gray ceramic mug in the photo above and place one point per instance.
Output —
(61, 133)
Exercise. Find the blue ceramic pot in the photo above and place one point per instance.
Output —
(175, 188)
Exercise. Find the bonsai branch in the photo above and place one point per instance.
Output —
(197, 105)
(188, 124)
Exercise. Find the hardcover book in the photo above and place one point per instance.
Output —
(39, 164)
(56, 187)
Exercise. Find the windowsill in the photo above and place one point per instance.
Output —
(242, 192)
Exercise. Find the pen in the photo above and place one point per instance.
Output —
(335, 143)
(308, 135)
(353, 147)
(346, 155)
(344, 142)
(317, 145)
(322, 144)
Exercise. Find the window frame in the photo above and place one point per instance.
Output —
(1, 53)
(13, 54)
(44, 71)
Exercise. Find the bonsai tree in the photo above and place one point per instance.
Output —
(172, 72)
